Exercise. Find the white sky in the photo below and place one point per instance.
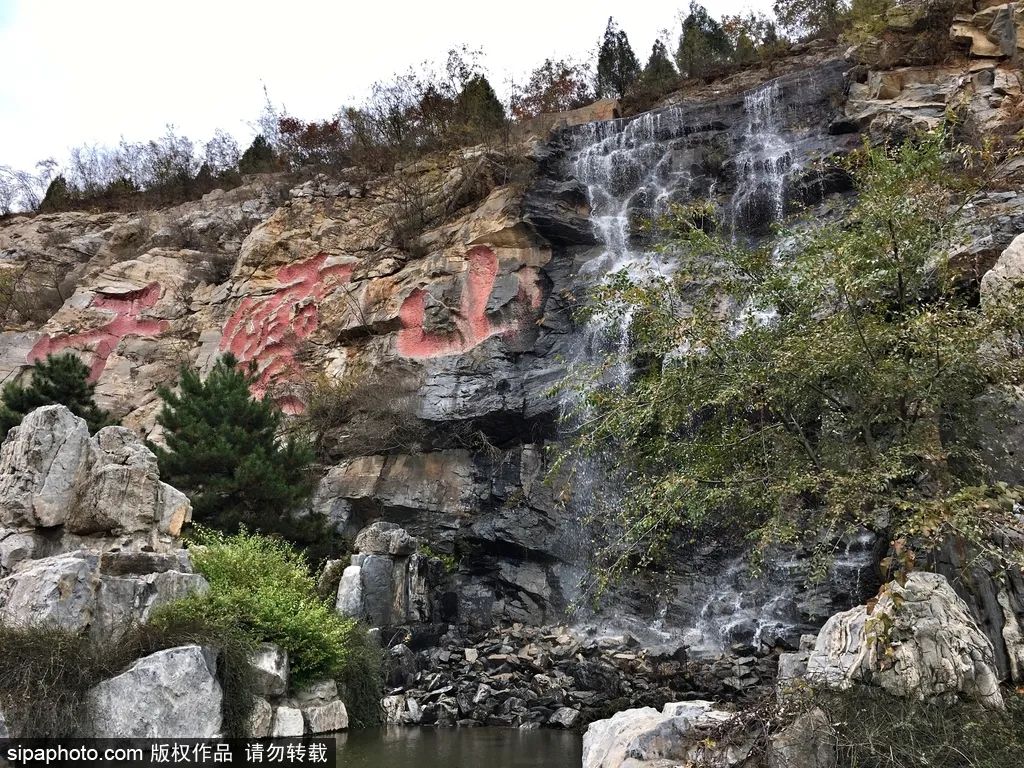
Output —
(88, 71)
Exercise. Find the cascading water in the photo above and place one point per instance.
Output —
(637, 168)
(764, 162)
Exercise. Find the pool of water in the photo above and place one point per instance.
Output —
(410, 747)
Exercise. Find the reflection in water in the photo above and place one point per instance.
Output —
(410, 747)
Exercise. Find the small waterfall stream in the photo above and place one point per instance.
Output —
(637, 168)
(764, 161)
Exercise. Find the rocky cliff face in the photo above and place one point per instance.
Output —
(449, 336)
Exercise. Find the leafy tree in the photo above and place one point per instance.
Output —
(617, 65)
(802, 396)
(810, 18)
(554, 86)
(702, 44)
(223, 451)
(259, 157)
(59, 379)
(659, 75)
(313, 144)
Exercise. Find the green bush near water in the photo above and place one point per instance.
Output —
(264, 588)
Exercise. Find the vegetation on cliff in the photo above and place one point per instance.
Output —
(59, 379)
(431, 108)
(803, 392)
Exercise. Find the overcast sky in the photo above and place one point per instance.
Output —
(88, 71)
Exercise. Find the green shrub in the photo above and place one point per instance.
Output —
(59, 379)
(46, 672)
(265, 588)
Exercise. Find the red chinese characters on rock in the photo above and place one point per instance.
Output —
(473, 326)
(267, 330)
(101, 342)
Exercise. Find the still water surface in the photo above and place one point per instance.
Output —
(409, 747)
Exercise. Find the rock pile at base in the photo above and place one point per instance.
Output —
(532, 677)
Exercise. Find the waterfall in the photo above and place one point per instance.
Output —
(636, 168)
(763, 163)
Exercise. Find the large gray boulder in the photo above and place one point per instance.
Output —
(54, 476)
(807, 742)
(83, 590)
(58, 590)
(288, 723)
(325, 718)
(1006, 274)
(677, 733)
(384, 538)
(919, 641)
(42, 464)
(170, 694)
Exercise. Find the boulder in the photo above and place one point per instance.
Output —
(350, 592)
(83, 590)
(170, 694)
(261, 719)
(1006, 273)
(919, 641)
(677, 733)
(325, 718)
(288, 723)
(320, 692)
(52, 474)
(58, 590)
(123, 600)
(808, 742)
(383, 538)
(270, 664)
(42, 464)
(564, 717)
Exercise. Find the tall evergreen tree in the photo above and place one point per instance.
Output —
(482, 112)
(258, 158)
(58, 197)
(223, 451)
(702, 44)
(659, 75)
(59, 379)
(617, 65)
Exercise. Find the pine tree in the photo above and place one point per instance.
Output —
(482, 112)
(617, 65)
(702, 44)
(223, 452)
(258, 158)
(59, 379)
(58, 197)
(659, 75)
